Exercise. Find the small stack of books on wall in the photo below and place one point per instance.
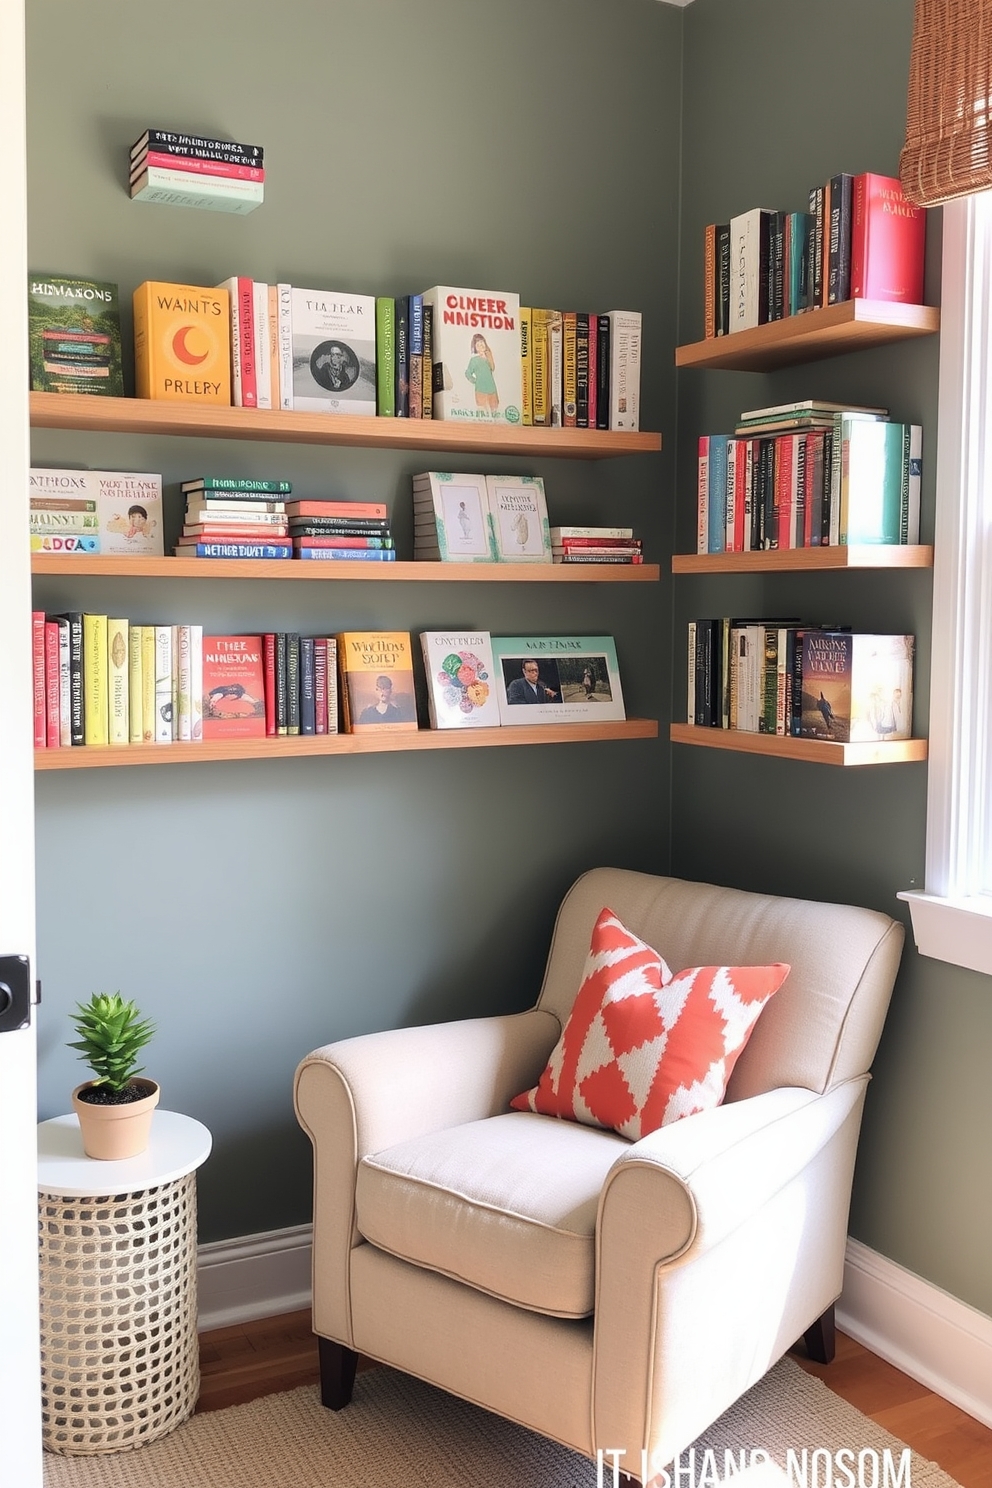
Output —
(323, 531)
(480, 518)
(189, 170)
(230, 517)
(95, 511)
(809, 474)
(779, 676)
(859, 239)
(595, 545)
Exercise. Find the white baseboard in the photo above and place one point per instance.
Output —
(925, 1332)
(253, 1276)
(909, 1322)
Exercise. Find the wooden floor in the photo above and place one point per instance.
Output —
(241, 1363)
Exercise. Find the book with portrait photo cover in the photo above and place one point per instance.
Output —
(557, 679)
(377, 693)
(519, 514)
(333, 350)
(451, 518)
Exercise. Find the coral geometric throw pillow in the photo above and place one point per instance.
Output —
(643, 1048)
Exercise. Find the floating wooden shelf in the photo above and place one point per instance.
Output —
(853, 325)
(783, 560)
(296, 568)
(813, 750)
(286, 747)
(81, 411)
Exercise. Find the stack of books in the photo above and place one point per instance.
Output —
(809, 474)
(323, 531)
(480, 518)
(595, 545)
(230, 517)
(188, 170)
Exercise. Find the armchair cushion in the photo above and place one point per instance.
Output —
(641, 1047)
(506, 1205)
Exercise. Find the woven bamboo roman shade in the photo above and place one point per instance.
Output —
(948, 149)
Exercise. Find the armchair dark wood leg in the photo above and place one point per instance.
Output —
(821, 1338)
(337, 1373)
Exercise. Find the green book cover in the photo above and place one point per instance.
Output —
(385, 356)
(871, 482)
(74, 336)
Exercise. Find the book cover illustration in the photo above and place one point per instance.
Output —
(452, 519)
(461, 691)
(557, 679)
(74, 336)
(856, 688)
(233, 687)
(519, 514)
(477, 354)
(96, 511)
(182, 343)
(377, 691)
(130, 510)
(334, 349)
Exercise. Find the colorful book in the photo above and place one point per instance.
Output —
(182, 338)
(74, 336)
(233, 689)
(557, 679)
(871, 481)
(235, 550)
(888, 237)
(452, 522)
(415, 356)
(376, 675)
(477, 369)
(233, 168)
(95, 679)
(856, 688)
(243, 351)
(385, 356)
(461, 691)
(243, 487)
(518, 512)
(334, 335)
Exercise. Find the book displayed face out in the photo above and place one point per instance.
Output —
(557, 679)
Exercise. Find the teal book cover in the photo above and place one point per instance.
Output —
(557, 679)
(871, 482)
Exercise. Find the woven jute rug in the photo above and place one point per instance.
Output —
(400, 1433)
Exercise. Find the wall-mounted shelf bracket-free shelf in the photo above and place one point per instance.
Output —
(815, 751)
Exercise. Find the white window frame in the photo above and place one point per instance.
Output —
(952, 918)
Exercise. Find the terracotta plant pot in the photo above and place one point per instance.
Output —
(113, 1132)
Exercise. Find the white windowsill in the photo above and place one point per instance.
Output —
(954, 930)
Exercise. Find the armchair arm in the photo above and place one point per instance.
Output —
(719, 1239)
(364, 1094)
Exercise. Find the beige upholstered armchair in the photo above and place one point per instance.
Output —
(605, 1293)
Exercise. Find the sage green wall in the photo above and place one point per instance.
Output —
(779, 95)
(258, 909)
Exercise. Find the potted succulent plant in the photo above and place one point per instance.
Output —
(115, 1108)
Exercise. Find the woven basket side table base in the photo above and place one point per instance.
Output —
(119, 1348)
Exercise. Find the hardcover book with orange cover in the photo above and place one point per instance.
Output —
(182, 343)
(233, 687)
(377, 681)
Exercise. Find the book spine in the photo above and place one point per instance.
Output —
(38, 676)
(269, 674)
(816, 236)
(722, 307)
(292, 682)
(690, 680)
(402, 344)
(95, 678)
(260, 319)
(593, 370)
(65, 685)
(275, 490)
(243, 314)
(568, 369)
(118, 682)
(539, 367)
(52, 674)
(625, 369)
(380, 555)
(717, 500)
(320, 684)
(703, 494)
(582, 370)
(385, 356)
(273, 313)
(709, 281)
(174, 679)
(147, 684)
(839, 286)
(798, 535)
(135, 689)
(232, 169)
(285, 293)
(197, 145)
(415, 356)
(736, 533)
(428, 394)
(282, 713)
(333, 723)
(184, 685)
(776, 266)
(555, 369)
(181, 188)
(526, 367)
(308, 701)
(602, 371)
(162, 730)
(196, 682)
(909, 525)
(730, 499)
(237, 550)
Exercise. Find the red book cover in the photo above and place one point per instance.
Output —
(52, 684)
(320, 684)
(269, 655)
(337, 542)
(233, 687)
(246, 333)
(740, 494)
(198, 167)
(887, 242)
(38, 670)
(593, 363)
(783, 491)
(336, 509)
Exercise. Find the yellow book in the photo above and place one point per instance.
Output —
(274, 344)
(95, 679)
(569, 382)
(148, 684)
(118, 681)
(540, 403)
(135, 696)
(376, 669)
(182, 343)
(526, 367)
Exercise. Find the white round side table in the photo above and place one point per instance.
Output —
(120, 1360)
